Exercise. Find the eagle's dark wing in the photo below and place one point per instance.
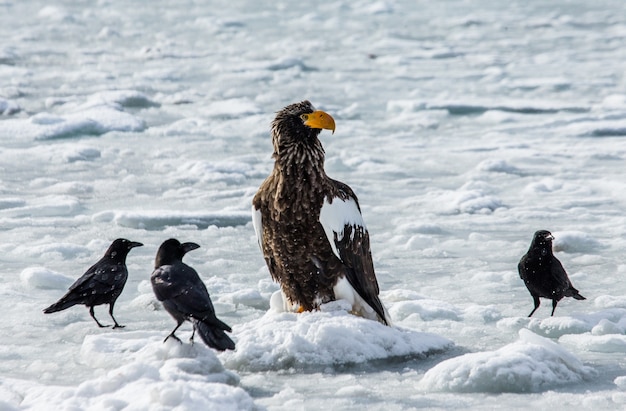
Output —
(347, 234)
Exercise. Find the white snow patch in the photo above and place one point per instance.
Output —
(574, 242)
(153, 374)
(466, 200)
(46, 206)
(160, 219)
(323, 338)
(475, 105)
(81, 153)
(498, 166)
(232, 108)
(531, 364)
(95, 120)
(42, 278)
(607, 343)
(555, 327)
(124, 98)
(8, 107)
(428, 310)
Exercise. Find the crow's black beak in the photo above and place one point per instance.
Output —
(189, 246)
(134, 244)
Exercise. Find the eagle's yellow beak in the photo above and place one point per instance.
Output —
(319, 119)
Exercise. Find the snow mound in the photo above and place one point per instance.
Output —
(554, 327)
(8, 54)
(467, 200)
(8, 107)
(40, 277)
(92, 120)
(610, 301)
(160, 219)
(139, 371)
(81, 153)
(607, 343)
(287, 62)
(471, 106)
(314, 340)
(124, 98)
(531, 364)
(597, 128)
(45, 206)
(497, 166)
(428, 310)
(574, 242)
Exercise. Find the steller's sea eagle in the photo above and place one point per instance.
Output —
(309, 226)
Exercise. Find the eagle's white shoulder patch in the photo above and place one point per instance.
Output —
(335, 216)
(258, 225)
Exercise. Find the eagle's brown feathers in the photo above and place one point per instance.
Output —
(294, 242)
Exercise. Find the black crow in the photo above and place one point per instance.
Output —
(543, 273)
(101, 284)
(185, 296)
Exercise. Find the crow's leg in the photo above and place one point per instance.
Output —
(111, 314)
(95, 319)
(537, 303)
(193, 332)
(554, 303)
(173, 331)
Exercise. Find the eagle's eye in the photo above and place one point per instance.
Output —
(304, 117)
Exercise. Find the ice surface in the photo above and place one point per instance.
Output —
(463, 127)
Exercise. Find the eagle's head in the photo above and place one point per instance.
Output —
(299, 123)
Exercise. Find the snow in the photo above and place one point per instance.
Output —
(463, 128)
(93, 120)
(159, 376)
(530, 364)
(8, 107)
(159, 219)
(40, 277)
(330, 337)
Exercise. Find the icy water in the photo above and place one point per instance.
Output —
(462, 126)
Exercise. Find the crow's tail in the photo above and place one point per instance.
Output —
(572, 292)
(60, 305)
(213, 336)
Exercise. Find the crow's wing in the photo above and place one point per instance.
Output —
(559, 275)
(180, 286)
(101, 277)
